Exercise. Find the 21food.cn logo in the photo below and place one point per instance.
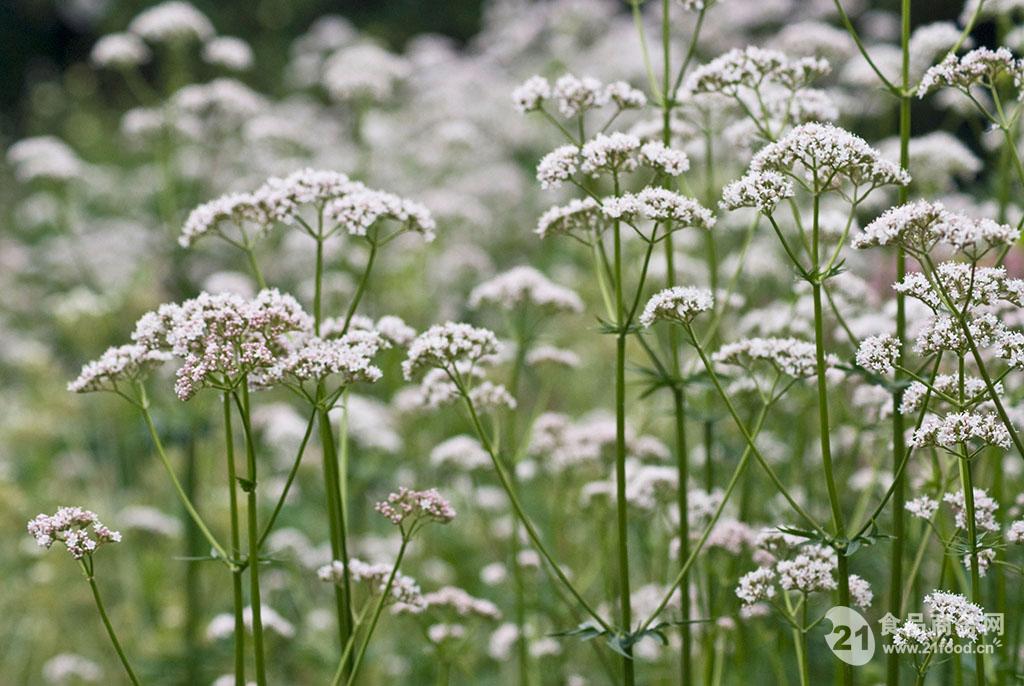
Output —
(851, 638)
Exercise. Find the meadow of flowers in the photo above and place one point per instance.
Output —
(619, 345)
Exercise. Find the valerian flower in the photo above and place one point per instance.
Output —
(444, 346)
(407, 508)
(122, 364)
(680, 303)
(79, 530)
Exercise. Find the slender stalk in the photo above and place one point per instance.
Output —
(517, 508)
(182, 496)
(376, 615)
(361, 288)
(823, 423)
(684, 571)
(252, 528)
(87, 566)
(339, 546)
(236, 546)
(625, 602)
(967, 484)
(269, 526)
(898, 442)
(678, 393)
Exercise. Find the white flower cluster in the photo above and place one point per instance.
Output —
(579, 218)
(879, 353)
(659, 204)
(922, 507)
(752, 68)
(119, 50)
(915, 393)
(170, 22)
(680, 303)
(920, 225)
(985, 507)
(810, 570)
(521, 285)
(965, 286)
(374, 577)
(363, 71)
(349, 204)
(574, 95)
(458, 602)
(79, 530)
(463, 452)
(981, 66)
(549, 354)
(613, 153)
(763, 190)
(43, 157)
(961, 427)
(128, 362)
(443, 346)
(356, 212)
(827, 154)
(790, 356)
(349, 357)
(228, 52)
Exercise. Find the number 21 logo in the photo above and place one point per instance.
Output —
(851, 638)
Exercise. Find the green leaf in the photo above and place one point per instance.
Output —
(247, 485)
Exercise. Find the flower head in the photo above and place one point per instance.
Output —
(406, 507)
(125, 363)
(444, 346)
(680, 303)
(79, 530)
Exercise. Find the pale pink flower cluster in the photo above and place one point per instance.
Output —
(221, 337)
(985, 507)
(374, 577)
(124, 363)
(79, 530)
(459, 602)
(981, 66)
(922, 507)
(916, 392)
(406, 505)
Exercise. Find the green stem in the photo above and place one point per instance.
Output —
(972, 542)
(252, 528)
(898, 429)
(339, 546)
(288, 482)
(106, 623)
(517, 508)
(823, 421)
(236, 546)
(182, 496)
(374, 619)
(625, 602)
(361, 288)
